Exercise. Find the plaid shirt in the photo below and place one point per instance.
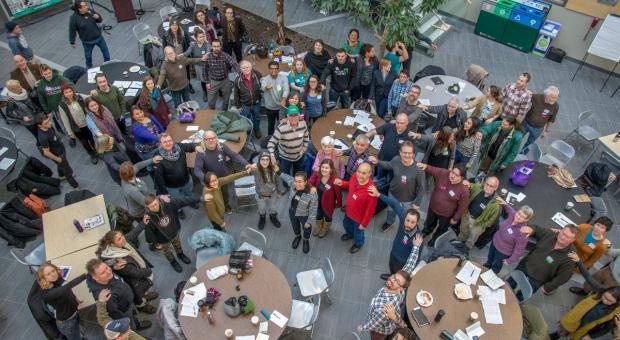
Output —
(516, 102)
(376, 319)
(355, 160)
(218, 66)
(412, 260)
(397, 92)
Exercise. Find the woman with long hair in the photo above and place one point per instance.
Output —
(204, 23)
(329, 152)
(145, 130)
(116, 250)
(152, 101)
(316, 59)
(269, 186)
(298, 76)
(367, 64)
(58, 295)
(213, 186)
(329, 196)
(487, 107)
(100, 121)
(442, 153)
(467, 142)
(314, 100)
(72, 112)
(179, 41)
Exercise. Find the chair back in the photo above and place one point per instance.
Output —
(599, 208)
(245, 186)
(253, 237)
(523, 285)
(7, 134)
(559, 153)
(328, 271)
(166, 12)
(610, 160)
(443, 238)
(34, 259)
(142, 31)
(316, 301)
(585, 115)
(287, 50)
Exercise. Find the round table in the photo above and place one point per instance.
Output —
(439, 94)
(545, 196)
(179, 17)
(266, 286)
(11, 153)
(179, 132)
(114, 71)
(439, 278)
(324, 125)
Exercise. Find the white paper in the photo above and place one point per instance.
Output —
(348, 121)
(192, 295)
(122, 84)
(425, 101)
(279, 319)
(486, 294)
(360, 113)
(245, 337)
(475, 330)
(460, 335)
(559, 218)
(361, 120)
(3, 150)
(94, 221)
(262, 336)
(192, 128)
(287, 59)
(492, 312)
(131, 92)
(518, 197)
(469, 273)
(263, 327)
(66, 270)
(376, 142)
(430, 88)
(188, 310)
(338, 144)
(491, 279)
(5, 163)
(136, 85)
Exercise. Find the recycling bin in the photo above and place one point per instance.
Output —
(548, 32)
(523, 26)
(493, 19)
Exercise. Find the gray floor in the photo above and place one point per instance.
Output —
(357, 276)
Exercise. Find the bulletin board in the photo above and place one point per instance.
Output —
(592, 8)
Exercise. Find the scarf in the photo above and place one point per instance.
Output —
(317, 63)
(18, 96)
(173, 155)
(107, 125)
(112, 252)
(154, 98)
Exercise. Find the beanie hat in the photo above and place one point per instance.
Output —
(115, 328)
(10, 26)
(64, 86)
(231, 307)
(293, 110)
(247, 305)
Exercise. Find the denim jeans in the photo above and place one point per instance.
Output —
(352, 229)
(88, 50)
(179, 97)
(460, 159)
(184, 191)
(391, 214)
(286, 166)
(267, 205)
(382, 104)
(298, 223)
(533, 134)
(345, 98)
(535, 284)
(252, 112)
(70, 328)
(495, 259)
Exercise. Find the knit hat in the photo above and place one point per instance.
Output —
(231, 307)
(10, 26)
(247, 305)
(264, 154)
(115, 328)
(64, 86)
(293, 110)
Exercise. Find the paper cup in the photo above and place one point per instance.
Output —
(504, 192)
(473, 317)
(254, 320)
(229, 333)
(193, 280)
(569, 205)
(350, 136)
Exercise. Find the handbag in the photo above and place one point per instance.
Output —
(237, 261)
(187, 112)
(522, 173)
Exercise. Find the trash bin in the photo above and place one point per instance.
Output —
(548, 32)
(493, 19)
(522, 28)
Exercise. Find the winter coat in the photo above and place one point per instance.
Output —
(507, 151)
(120, 304)
(243, 95)
(155, 233)
(571, 321)
(16, 110)
(167, 319)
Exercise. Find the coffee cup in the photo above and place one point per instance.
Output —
(254, 320)
(193, 280)
(504, 192)
(126, 74)
(473, 317)
(350, 136)
(229, 333)
(569, 206)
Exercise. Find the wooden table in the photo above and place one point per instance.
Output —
(60, 235)
(203, 119)
(439, 278)
(545, 196)
(324, 125)
(610, 145)
(266, 286)
(77, 262)
(262, 64)
(440, 95)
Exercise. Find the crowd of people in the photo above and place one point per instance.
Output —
(416, 159)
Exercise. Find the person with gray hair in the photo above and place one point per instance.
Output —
(450, 114)
(541, 116)
(173, 70)
(358, 154)
(247, 94)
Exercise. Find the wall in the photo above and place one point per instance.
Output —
(574, 27)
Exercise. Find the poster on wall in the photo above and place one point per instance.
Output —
(20, 8)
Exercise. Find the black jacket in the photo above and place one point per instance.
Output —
(381, 88)
(155, 233)
(16, 110)
(239, 30)
(85, 25)
(41, 314)
(120, 304)
(442, 116)
(243, 95)
(61, 297)
(63, 105)
(343, 76)
(167, 40)
(173, 174)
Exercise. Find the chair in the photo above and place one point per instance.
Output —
(253, 240)
(166, 12)
(583, 130)
(33, 259)
(304, 314)
(443, 238)
(209, 243)
(249, 49)
(7, 133)
(533, 154)
(559, 154)
(245, 188)
(599, 208)
(142, 32)
(317, 281)
(111, 61)
(523, 285)
(351, 336)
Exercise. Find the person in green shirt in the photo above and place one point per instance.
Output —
(397, 54)
(111, 97)
(352, 46)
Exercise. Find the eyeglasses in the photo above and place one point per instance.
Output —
(393, 278)
(210, 139)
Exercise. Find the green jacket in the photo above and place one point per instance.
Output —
(507, 151)
(490, 214)
(49, 92)
(114, 101)
(103, 318)
(225, 123)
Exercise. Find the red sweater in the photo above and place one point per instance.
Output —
(448, 200)
(360, 206)
(332, 196)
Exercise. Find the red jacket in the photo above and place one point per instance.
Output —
(360, 205)
(332, 196)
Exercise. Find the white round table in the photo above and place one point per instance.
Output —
(439, 95)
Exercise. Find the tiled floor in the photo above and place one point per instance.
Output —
(357, 276)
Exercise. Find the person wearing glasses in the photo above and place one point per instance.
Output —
(482, 213)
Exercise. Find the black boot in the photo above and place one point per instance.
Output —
(177, 267)
(204, 97)
(274, 220)
(181, 214)
(184, 258)
(261, 222)
(306, 246)
(296, 241)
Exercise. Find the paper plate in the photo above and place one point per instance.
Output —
(424, 298)
(134, 69)
(463, 291)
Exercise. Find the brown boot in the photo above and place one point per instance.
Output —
(325, 230)
(318, 228)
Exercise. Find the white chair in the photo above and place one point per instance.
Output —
(245, 189)
(317, 281)
(34, 259)
(111, 61)
(583, 130)
(559, 154)
(166, 12)
(142, 32)
(304, 314)
(443, 238)
(523, 285)
(249, 49)
(253, 240)
(533, 154)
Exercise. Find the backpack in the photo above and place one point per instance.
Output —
(36, 204)
(362, 104)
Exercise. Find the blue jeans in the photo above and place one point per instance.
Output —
(179, 97)
(391, 214)
(345, 98)
(533, 134)
(459, 158)
(70, 328)
(88, 50)
(299, 223)
(495, 259)
(382, 104)
(286, 166)
(352, 229)
(184, 191)
(535, 284)
(252, 112)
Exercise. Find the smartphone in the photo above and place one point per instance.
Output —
(419, 317)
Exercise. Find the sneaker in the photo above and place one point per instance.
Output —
(345, 237)
(257, 134)
(62, 178)
(385, 227)
(205, 98)
(177, 267)
(577, 290)
(354, 249)
(72, 142)
(191, 90)
(182, 214)
(384, 277)
(184, 258)
(228, 210)
(150, 296)
(94, 159)
(147, 309)
(143, 324)
(296, 241)
(306, 246)
(74, 184)
(274, 220)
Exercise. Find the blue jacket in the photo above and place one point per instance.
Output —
(401, 251)
(143, 136)
(19, 46)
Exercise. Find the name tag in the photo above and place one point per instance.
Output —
(549, 260)
(482, 206)
(403, 179)
(180, 66)
(592, 245)
(405, 239)
(297, 198)
(327, 186)
(400, 141)
(359, 161)
(509, 231)
(354, 196)
(278, 88)
(451, 193)
(318, 97)
(203, 52)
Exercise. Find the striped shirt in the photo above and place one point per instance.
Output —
(516, 102)
(292, 142)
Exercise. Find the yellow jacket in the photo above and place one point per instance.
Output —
(215, 207)
(571, 320)
(479, 103)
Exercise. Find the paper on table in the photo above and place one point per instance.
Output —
(561, 219)
(360, 113)
(136, 85)
(469, 273)
(189, 310)
(192, 295)
(362, 120)
(131, 92)
(340, 145)
(376, 142)
(279, 319)
(5, 163)
(519, 197)
(245, 337)
(3, 150)
(475, 330)
(348, 121)
(489, 295)
(460, 335)
(430, 88)
(491, 279)
(287, 59)
(264, 327)
(122, 83)
(425, 101)
(192, 128)
(262, 336)
(492, 312)
(367, 127)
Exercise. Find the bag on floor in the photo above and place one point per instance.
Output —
(522, 173)
(36, 204)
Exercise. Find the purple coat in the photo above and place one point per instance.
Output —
(509, 240)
